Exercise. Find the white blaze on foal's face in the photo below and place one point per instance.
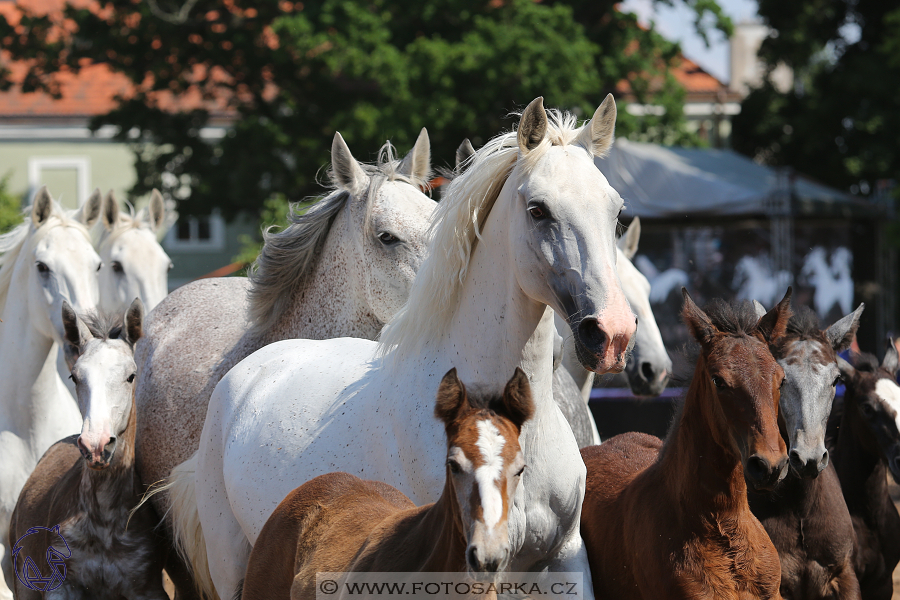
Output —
(889, 393)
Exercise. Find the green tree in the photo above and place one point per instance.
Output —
(839, 122)
(295, 72)
(10, 206)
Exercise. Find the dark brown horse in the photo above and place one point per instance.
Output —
(671, 520)
(806, 516)
(867, 448)
(340, 523)
(86, 484)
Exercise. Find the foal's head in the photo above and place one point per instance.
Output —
(872, 391)
(808, 356)
(743, 381)
(484, 463)
(100, 353)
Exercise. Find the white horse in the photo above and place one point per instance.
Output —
(529, 226)
(134, 263)
(754, 279)
(661, 284)
(649, 368)
(46, 260)
(341, 269)
(831, 279)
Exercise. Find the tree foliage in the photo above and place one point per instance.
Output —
(839, 122)
(296, 72)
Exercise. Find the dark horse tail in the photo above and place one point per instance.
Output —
(239, 590)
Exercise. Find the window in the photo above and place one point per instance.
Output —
(201, 234)
(68, 178)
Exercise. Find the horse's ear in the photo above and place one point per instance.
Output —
(840, 335)
(759, 308)
(891, 360)
(157, 213)
(76, 332)
(42, 207)
(347, 173)
(848, 372)
(464, 152)
(532, 126)
(774, 323)
(597, 135)
(628, 243)
(518, 405)
(90, 210)
(134, 322)
(111, 211)
(417, 164)
(698, 323)
(451, 397)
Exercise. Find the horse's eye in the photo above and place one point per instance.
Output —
(867, 410)
(171, 266)
(520, 471)
(781, 385)
(130, 378)
(42, 268)
(73, 378)
(454, 466)
(387, 238)
(836, 381)
(99, 266)
(117, 266)
(537, 213)
(718, 382)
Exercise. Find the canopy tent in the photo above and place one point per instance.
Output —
(664, 182)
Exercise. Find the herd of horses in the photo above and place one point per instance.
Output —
(420, 370)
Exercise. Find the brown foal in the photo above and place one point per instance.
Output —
(671, 520)
(341, 523)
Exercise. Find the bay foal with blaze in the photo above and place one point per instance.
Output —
(671, 520)
(339, 523)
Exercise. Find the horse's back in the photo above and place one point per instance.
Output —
(611, 467)
(317, 528)
(185, 339)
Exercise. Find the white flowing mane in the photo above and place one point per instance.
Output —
(455, 227)
(13, 242)
(289, 256)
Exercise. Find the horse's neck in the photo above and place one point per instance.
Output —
(117, 486)
(698, 461)
(496, 327)
(332, 301)
(433, 538)
(863, 475)
(32, 391)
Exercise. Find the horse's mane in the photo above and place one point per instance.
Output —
(288, 256)
(12, 242)
(455, 227)
(127, 222)
(738, 318)
(105, 326)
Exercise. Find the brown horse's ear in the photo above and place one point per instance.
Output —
(451, 397)
(532, 126)
(774, 323)
(840, 334)
(134, 322)
(701, 328)
(77, 334)
(518, 406)
(891, 360)
(846, 369)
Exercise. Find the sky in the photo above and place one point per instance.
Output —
(677, 24)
